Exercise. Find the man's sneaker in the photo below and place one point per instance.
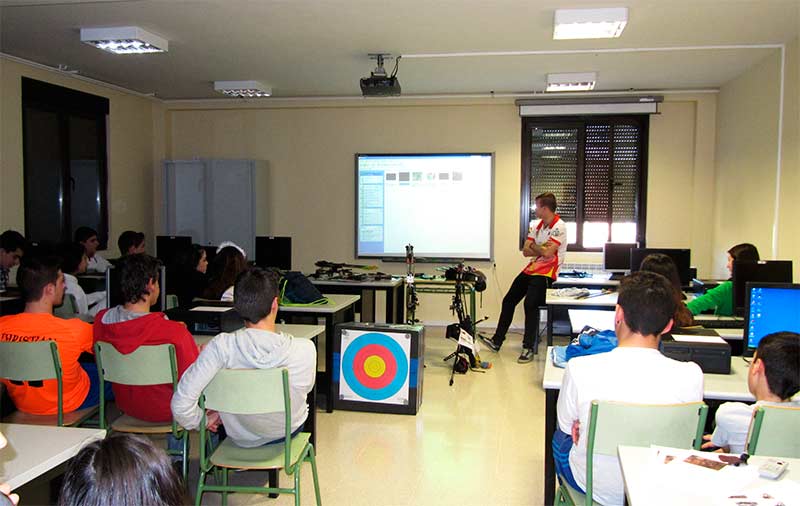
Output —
(526, 356)
(490, 343)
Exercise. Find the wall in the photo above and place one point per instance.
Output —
(132, 149)
(310, 147)
(746, 151)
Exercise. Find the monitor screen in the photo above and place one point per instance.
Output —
(681, 257)
(617, 256)
(114, 295)
(441, 204)
(773, 271)
(274, 252)
(168, 247)
(771, 307)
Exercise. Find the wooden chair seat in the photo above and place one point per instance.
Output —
(71, 419)
(127, 423)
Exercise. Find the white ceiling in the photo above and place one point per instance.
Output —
(318, 47)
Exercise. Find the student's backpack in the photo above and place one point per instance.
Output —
(297, 290)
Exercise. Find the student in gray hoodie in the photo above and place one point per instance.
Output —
(256, 346)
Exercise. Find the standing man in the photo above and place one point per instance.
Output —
(12, 245)
(546, 246)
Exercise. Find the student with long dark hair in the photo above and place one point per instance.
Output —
(222, 273)
(664, 265)
(122, 470)
(720, 298)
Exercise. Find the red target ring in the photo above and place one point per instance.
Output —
(359, 369)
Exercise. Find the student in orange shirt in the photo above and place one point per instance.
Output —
(42, 285)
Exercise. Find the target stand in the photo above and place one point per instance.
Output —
(378, 367)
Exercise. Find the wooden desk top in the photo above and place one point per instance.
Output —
(35, 449)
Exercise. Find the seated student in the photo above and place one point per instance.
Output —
(720, 298)
(73, 262)
(664, 265)
(42, 284)
(131, 325)
(773, 379)
(5, 488)
(122, 470)
(87, 237)
(130, 243)
(12, 247)
(635, 372)
(189, 273)
(226, 266)
(257, 346)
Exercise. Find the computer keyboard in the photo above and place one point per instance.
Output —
(721, 323)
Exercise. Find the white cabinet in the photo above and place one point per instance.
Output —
(213, 200)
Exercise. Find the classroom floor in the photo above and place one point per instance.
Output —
(479, 442)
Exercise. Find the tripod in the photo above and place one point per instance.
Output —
(465, 324)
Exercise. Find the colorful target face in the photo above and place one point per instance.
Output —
(375, 366)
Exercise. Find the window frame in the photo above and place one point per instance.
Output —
(531, 122)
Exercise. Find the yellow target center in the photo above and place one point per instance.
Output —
(374, 366)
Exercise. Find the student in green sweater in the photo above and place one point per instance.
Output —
(720, 299)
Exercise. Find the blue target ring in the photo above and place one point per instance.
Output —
(389, 344)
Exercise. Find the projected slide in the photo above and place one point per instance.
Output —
(441, 204)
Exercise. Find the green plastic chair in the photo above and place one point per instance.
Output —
(773, 432)
(612, 424)
(147, 365)
(258, 391)
(68, 308)
(38, 361)
(171, 301)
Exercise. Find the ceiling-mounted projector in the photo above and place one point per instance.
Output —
(379, 84)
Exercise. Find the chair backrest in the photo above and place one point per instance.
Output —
(773, 432)
(68, 308)
(612, 424)
(29, 361)
(33, 361)
(172, 301)
(147, 365)
(258, 391)
(616, 423)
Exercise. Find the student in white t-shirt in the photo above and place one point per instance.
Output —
(87, 237)
(773, 379)
(635, 372)
(74, 262)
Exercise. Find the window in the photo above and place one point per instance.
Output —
(597, 169)
(64, 160)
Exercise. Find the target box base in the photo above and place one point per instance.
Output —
(378, 367)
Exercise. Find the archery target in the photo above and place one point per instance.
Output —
(375, 366)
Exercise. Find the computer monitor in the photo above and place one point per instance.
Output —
(681, 257)
(617, 256)
(771, 307)
(114, 294)
(168, 247)
(773, 271)
(274, 252)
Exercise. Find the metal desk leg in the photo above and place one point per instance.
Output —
(549, 326)
(391, 306)
(551, 398)
(329, 337)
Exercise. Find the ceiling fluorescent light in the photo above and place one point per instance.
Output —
(583, 81)
(590, 23)
(124, 40)
(242, 89)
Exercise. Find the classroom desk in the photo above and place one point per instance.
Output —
(394, 289)
(92, 282)
(35, 449)
(595, 280)
(340, 309)
(723, 387)
(604, 320)
(649, 482)
(311, 332)
(597, 300)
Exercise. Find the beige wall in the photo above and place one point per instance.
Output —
(131, 147)
(310, 151)
(746, 151)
